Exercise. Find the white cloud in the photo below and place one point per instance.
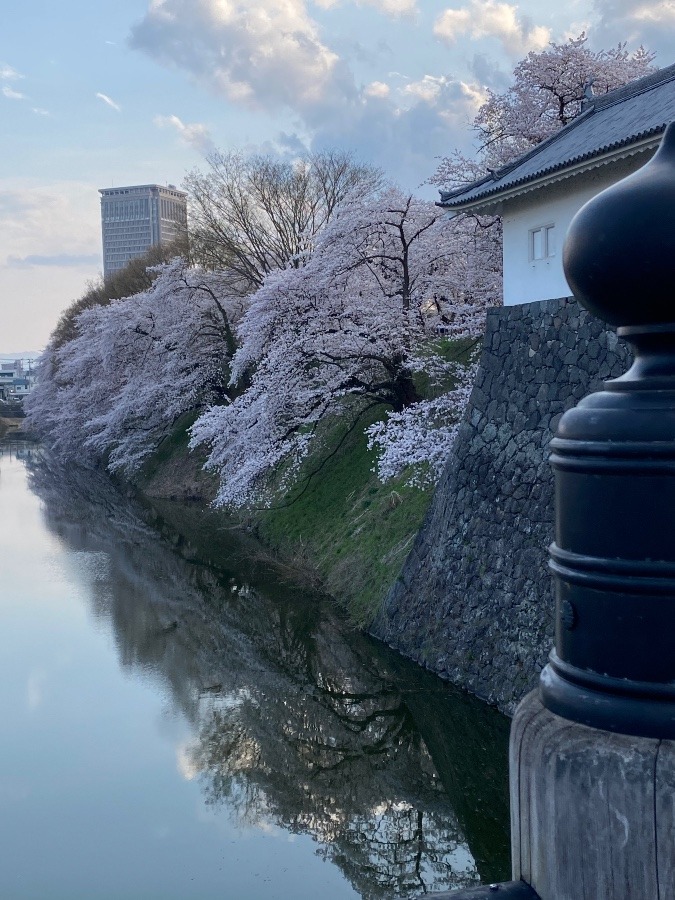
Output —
(109, 101)
(394, 7)
(195, 135)
(377, 89)
(11, 94)
(389, 7)
(490, 18)
(574, 29)
(39, 111)
(428, 89)
(438, 90)
(662, 13)
(404, 134)
(7, 73)
(261, 55)
(647, 22)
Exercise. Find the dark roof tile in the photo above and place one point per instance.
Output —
(617, 119)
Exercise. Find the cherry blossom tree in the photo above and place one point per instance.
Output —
(419, 437)
(136, 276)
(348, 331)
(134, 367)
(548, 91)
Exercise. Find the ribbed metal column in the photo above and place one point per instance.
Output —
(613, 456)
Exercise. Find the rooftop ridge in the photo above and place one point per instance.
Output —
(634, 88)
(127, 187)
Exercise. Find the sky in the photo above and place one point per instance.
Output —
(105, 94)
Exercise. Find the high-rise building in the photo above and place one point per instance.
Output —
(135, 218)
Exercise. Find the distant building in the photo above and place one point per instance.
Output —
(17, 378)
(135, 218)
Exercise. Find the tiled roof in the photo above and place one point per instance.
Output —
(615, 120)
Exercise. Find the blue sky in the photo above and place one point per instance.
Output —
(137, 91)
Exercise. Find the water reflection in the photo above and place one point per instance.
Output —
(18, 448)
(296, 721)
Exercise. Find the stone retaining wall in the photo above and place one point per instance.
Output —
(474, 602)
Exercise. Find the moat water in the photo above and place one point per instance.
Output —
(175, 728)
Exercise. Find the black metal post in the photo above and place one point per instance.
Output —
(613, 456)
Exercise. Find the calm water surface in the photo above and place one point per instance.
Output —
(172, 730)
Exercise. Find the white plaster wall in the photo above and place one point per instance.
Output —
(527, 280)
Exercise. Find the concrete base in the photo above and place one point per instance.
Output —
(510, 890)
(592, 813)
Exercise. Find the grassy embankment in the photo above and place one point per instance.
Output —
(338, 527)
(342, 531)
(353, 529)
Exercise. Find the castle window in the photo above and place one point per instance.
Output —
(542, 242)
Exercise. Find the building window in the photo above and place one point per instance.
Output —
(542, 242)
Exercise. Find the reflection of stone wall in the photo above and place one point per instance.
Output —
(474, 602)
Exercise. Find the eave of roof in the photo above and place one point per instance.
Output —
(603, 156)
(504, 184)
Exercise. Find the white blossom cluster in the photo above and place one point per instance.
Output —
(418, 439)
(135, 366)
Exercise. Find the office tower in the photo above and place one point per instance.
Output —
(135, 218)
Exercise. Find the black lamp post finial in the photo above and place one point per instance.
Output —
(613, 456)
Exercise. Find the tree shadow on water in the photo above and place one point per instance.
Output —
(297, 721)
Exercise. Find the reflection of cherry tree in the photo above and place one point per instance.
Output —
(401, 850)
(346, 765)
(297, 722)
(329, 783)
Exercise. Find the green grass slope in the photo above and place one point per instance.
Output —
(353, 529)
